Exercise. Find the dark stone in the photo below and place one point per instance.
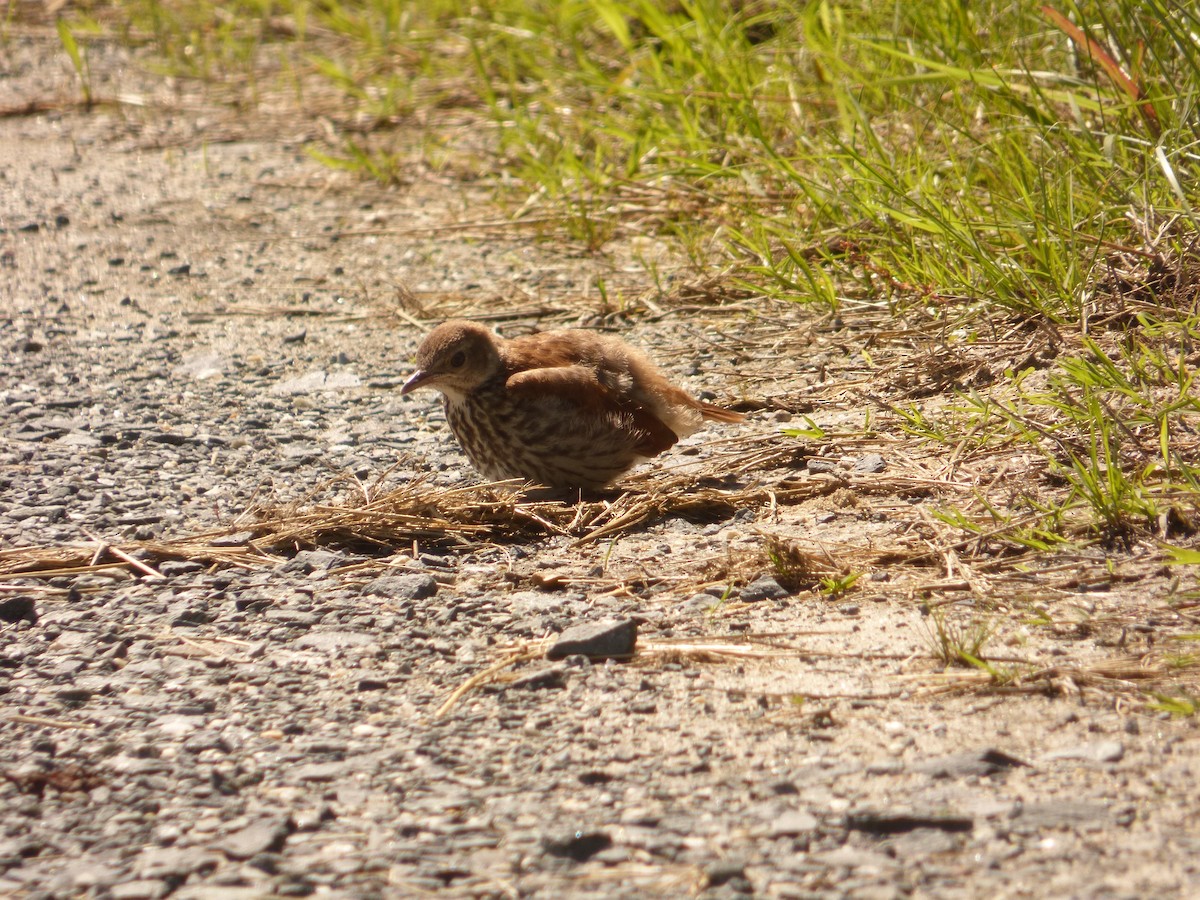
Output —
(171, 438)
(73, 695)
(552, 677)
(725, 871)
(597, 640)
(18, 609)
(193, 616)
(900, 822)
(578, 845)
(173, 568)
(764, 588)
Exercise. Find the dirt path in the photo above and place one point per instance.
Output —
(191, 328)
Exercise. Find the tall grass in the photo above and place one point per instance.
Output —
(985, 151)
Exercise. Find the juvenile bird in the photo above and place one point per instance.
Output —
(568, 409)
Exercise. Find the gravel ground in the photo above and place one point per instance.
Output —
(187, 331)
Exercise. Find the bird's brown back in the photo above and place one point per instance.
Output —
(623, 370)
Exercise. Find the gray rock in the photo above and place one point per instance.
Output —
(1062, 814)
(87, 873)
(765, 587)
(52, 512)
(849, 857)
(701, 602)
(792, 823)
(597, 640)
(294, 618)
(263, 836)
(552, 677)
(417, 586)
(235, 539)
(870, 464)
(313, 561)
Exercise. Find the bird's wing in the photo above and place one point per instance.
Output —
(575, 390)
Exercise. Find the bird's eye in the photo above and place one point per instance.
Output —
(458, 359)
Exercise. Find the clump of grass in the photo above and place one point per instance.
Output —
(79, 59)
(1181, 705)
(835, 585)
(962, 644)
(798, 569)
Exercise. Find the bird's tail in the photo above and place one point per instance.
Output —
(720, 414)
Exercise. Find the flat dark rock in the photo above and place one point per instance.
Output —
(577, 845)
(902, 821)
(766, 587)
(606, 639)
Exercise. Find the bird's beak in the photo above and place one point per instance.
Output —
(416, 380)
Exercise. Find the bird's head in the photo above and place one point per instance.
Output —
(455, 358)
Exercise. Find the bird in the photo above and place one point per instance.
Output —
(566, 409)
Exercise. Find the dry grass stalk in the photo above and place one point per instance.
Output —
(418, 511)
(527, 653)
(84, 558)
(647, 652)
(1121, 675)
(48, 723)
